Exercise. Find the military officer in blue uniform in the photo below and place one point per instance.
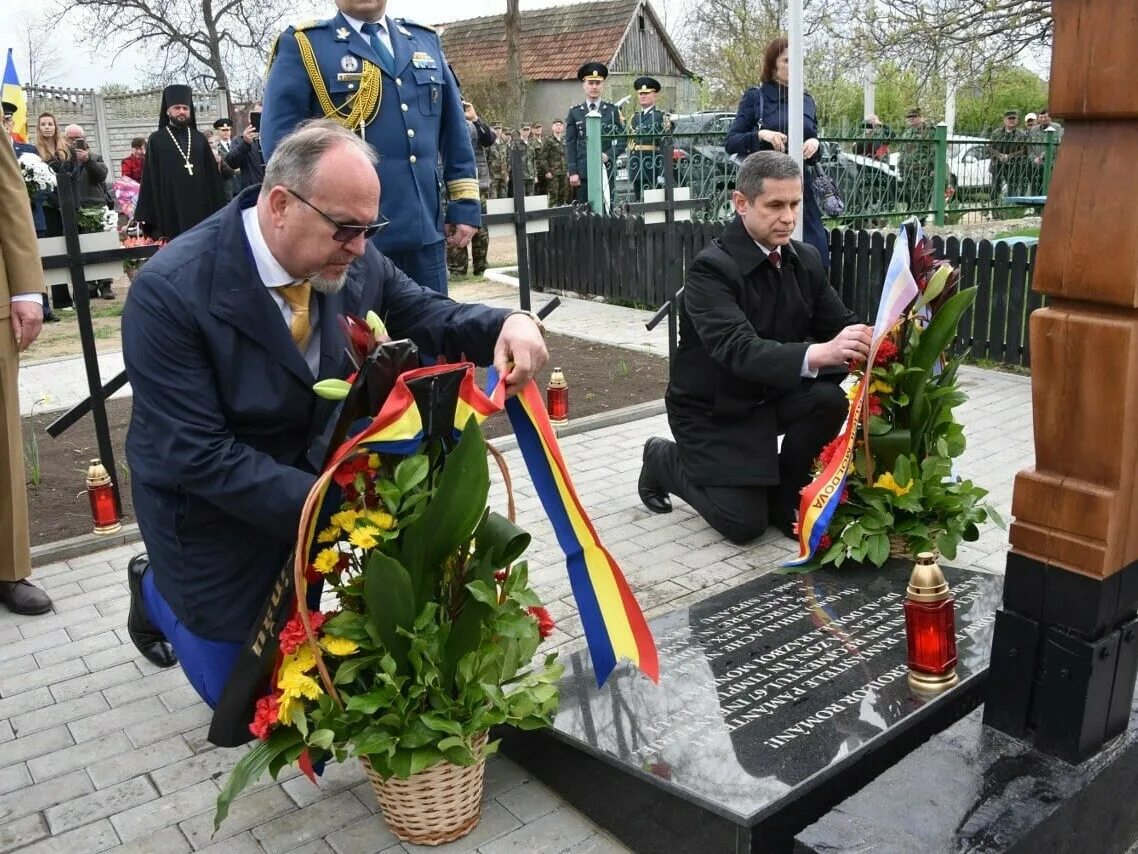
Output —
(385, 78)
(647, 126)
(592, 76)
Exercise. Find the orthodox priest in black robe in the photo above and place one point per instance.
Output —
(181, 182)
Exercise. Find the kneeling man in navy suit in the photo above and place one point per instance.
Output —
(225, 333)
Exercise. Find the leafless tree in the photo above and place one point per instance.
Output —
(37, 39)
(207, 43)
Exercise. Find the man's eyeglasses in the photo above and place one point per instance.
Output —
(345, 233)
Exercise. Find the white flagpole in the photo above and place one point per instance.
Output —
(795, 94)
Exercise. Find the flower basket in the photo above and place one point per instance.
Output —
(899, 548)
(438, 805)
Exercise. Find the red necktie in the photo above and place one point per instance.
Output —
(775, 258)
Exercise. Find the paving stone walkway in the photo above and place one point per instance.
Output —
(101, 751)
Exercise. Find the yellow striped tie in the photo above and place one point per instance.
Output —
(300, 327)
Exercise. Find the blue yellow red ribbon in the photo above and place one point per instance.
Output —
(614, 625)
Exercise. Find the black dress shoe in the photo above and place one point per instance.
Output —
(146, 637)
(23, 597)
(654, 497)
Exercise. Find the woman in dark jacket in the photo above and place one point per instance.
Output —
(762, 122)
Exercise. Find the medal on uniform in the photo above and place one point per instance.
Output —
(349, 63)
(422, 59)
(342, 34)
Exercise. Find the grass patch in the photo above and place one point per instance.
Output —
(1024, 231)
(992, 365)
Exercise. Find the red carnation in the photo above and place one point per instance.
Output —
(292, 635)
(500, 576)
(827, 453)
(825, 542)
(887, 352)
(545, 624)
(265, 716)
(345, 474)
(875, 405)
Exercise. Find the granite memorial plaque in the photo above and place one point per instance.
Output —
(776, 700)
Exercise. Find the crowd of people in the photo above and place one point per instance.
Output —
(329, 202)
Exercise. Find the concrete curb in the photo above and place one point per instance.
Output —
(83, 545)
(88, 543)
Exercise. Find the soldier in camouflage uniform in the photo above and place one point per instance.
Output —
(528, 163)
(482, 139)
(1010, 155)
(556, 176)
(498, 163)
(917, 164)
(537, 143)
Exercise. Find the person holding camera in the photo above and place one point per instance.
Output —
(90, 192)
(245, 154)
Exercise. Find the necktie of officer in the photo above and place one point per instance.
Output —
(371, 32)
(300, 326)
(775, 258)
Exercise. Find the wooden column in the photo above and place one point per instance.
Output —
(1065, 651)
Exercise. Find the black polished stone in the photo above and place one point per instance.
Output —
(1023, 585)
(1080, 603)
(776, 700)
(976, 789)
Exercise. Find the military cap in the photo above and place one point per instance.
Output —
(557, 120)
(496, 126)
(1030, 117)
(10, 108)
(223, 122)
(524, 127)
(1011, 114)
(913, 113)
(646, 84)
(592, 71)
(536, 125)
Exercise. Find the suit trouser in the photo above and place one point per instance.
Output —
(207, 663)
(427, 266)
(15, 549)
(808, 418)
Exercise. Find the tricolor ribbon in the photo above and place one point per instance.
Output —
(614, 625)
(820, 498)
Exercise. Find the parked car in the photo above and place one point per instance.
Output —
(969, 166)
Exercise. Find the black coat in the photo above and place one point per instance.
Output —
(744, 331)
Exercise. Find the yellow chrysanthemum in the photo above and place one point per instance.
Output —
(285, 708)
(886, 481)
(338, 646)
(297, 664)
(326, 561)
(381, 519)
(373, 461)
(364, 538)
(298, 685)
(328, 535)
(879, 387)
(851, 394)
(345, 520)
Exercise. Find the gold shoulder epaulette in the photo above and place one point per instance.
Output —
(307, 25)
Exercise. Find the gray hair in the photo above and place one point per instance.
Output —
(762, 165)
(294, 161)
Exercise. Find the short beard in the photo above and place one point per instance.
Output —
(324, 285)
(179, 123)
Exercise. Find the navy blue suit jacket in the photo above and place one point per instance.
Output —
(223, 441)
(765, 107)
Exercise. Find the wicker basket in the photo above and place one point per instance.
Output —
(440, 804)
(898, 548)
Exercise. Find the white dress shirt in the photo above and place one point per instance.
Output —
(274, 276)
(27, 298)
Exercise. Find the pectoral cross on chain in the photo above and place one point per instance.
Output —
(189, 167)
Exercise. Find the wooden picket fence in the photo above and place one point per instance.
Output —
(624, 260)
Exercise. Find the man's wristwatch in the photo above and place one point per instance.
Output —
(531, 316)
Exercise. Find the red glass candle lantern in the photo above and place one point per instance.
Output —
(557, 398)
(101, 492)
(930, 626)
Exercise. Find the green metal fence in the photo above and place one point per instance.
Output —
(882, 178)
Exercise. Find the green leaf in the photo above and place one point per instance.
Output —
(322, 738)
(878, 551)
(482, 592)
(411, 472)
(878, 426)
(500, 540)
(251, 766)
(452, 515)
(902, 470)
(889, 446)
(390, 601)
(332, 389)
(407, 762)
(441, 724)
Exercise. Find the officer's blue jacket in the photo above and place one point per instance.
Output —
(420, 122)
(226, 432)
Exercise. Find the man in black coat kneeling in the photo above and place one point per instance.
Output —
(764, 343)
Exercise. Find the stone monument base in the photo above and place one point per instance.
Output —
(973, 788)
(777, 700)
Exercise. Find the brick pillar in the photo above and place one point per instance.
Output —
(1065, 651)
